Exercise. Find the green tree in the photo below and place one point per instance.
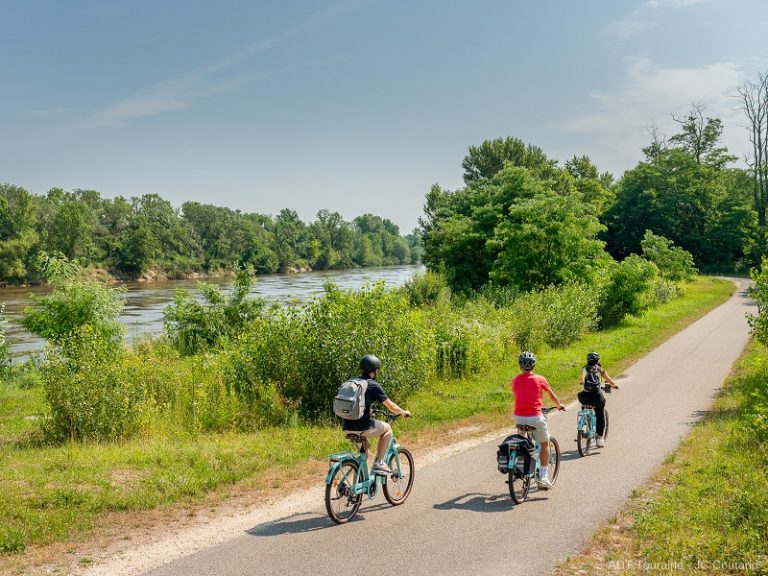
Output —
(489, 158)
(73, 304)
(672, 261)
(547, 239)
(18, 217)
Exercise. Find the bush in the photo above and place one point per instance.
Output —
(73, 304)
(673, 262)
(195, 326)
(458, 342)
(624, 288)
(426, 288)
(570, 311)
(308, 351)
(759, 291)
(89, 396)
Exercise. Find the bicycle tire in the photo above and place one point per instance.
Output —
(519, 484)
(583, 442)
(337, 492)
(396, 490)
(554, 459)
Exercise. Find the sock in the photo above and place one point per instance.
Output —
(544, 472)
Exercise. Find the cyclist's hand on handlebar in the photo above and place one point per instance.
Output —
(561, 408)
(406, 414)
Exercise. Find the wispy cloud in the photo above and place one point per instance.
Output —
(650, 94)
(184, 90)
(646, 16)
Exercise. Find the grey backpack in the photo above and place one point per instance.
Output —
(349, 403)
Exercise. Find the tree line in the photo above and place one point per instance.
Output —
(524, 221)
(129, 237)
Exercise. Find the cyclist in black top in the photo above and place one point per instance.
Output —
(370, 427)
(592, 394)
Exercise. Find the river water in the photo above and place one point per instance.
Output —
(145, 302)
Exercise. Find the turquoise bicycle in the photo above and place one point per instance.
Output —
(349, 479)
(586, 427)
(522, 469)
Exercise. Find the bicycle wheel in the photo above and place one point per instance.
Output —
(583, 441)
(605, 432)
(519, 485)
(397, 489)
(340, 503)
(554, 459)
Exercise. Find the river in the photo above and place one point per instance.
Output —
(145, 302)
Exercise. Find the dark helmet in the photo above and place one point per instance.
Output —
(527, 360)
(593, 358)
(369, 363)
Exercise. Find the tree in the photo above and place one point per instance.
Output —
(672, 261)
(593, 186)
(547, 239)
(489, 158)
(18, 217)
(754, 101)
(700, 137)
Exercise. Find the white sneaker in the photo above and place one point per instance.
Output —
(544, 484)
(600, 442)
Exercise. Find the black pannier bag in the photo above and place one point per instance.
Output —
(526, 454)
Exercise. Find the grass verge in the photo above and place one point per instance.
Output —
(61, 494)
(706, 510)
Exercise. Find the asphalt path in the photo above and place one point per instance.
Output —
(459, 518)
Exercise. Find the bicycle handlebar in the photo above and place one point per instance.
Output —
(550, 409)
(387, 415)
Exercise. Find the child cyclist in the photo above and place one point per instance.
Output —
(592, 395)
(527, 388)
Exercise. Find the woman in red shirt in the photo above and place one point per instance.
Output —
(527, 388)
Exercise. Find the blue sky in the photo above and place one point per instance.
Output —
(353, 106)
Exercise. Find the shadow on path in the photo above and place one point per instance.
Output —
(307, 522)
(481, 503)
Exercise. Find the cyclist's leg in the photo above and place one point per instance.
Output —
(599, 404)
(382, 431)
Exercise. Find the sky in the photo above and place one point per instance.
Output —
(354, 106)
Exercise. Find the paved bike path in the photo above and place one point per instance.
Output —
(459, 518)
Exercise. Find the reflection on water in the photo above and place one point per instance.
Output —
(145, 302)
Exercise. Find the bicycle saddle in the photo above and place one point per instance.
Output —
(587, 407)
(525, 428)
(355, 437)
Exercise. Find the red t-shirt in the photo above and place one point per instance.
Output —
(527, 389)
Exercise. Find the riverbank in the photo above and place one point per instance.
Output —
(65, 498)
(706, 510)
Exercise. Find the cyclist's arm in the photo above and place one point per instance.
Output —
(582, 376)
(395, 409)
(554, 399)
(609, 379)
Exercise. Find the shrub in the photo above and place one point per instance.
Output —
(673, 262)
(457, 341)
(759, 291)
(88, 394)
(309, 350)
(623, 290)
(73, 304)
(195, 326)
(426, 288)
(570, 311)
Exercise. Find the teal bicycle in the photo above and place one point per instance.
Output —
(349, 480)
(586, 427)
(515, 459)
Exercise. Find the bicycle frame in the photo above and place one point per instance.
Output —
(366, 482)
(588, 417)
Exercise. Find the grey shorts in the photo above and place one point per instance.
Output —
(376, 429)
(541, 434)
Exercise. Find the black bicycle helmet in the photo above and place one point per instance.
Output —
(526, 360)
(369, 363)
(593, 358)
